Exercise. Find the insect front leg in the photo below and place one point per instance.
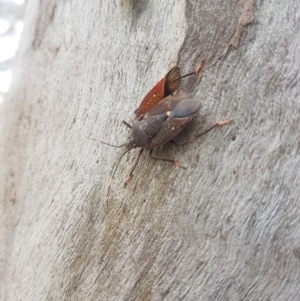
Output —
(127, 124)
(134, 166)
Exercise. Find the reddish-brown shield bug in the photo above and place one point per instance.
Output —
(160, 117)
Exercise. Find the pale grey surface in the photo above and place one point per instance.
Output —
(227, 228)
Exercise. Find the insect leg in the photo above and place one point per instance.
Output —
(165, 159)
(127, 124)
(195, 72)
(134, 166)
(192, 139)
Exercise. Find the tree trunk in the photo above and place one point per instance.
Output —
(225, 228)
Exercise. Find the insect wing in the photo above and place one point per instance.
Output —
(182, 114)
(154, 124)
(170, 129)
(173, 80)
(168, 104)
(165, 87)
(186, 107)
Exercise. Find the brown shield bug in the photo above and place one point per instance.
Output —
(160, 117)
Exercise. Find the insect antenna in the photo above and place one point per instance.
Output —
(112, 174)
(106, 143)
(114, 169)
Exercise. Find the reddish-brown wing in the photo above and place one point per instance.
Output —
(165, 87)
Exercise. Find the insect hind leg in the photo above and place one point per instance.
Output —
(193, 138)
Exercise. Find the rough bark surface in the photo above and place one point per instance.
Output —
(226, 228)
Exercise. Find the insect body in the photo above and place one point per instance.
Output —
(162, 123)
(160, 117)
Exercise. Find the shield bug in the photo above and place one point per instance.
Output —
(160, 117)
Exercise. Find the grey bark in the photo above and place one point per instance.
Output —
(226, 228)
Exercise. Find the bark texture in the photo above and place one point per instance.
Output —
(226, 228)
